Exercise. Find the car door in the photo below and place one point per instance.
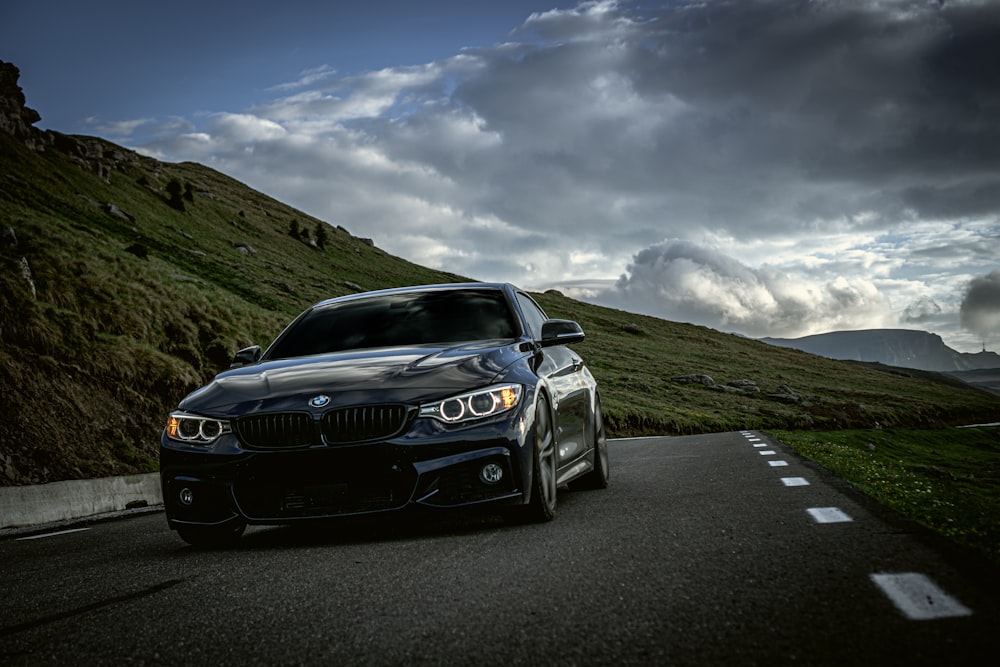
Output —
(569, 387)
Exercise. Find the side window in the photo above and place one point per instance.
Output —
(533, 315)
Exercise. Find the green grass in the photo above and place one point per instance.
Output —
(945, 479)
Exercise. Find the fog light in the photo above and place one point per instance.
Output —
(186, 496)
(491, 473)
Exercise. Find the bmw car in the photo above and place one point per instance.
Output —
(436, 397)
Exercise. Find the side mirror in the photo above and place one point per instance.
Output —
(561, 332)
(247, 356)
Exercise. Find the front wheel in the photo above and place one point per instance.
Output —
(542, 506)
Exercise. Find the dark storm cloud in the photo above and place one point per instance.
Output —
(876, 94)
(980, 309)
(746, 114)
(955, 200)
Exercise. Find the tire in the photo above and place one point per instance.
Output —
(212, 537)
(598, 477)
(542, 506)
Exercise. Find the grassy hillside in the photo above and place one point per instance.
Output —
(131, 282)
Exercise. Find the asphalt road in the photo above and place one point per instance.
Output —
(700, 553)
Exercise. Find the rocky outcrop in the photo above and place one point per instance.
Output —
(16, 119)
(91, 154)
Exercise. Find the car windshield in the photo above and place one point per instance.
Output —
(393, 320)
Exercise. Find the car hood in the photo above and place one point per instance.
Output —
(406, 374)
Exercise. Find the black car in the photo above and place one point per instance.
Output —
(439, 396)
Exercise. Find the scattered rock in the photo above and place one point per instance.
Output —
(8, 237)
(284, 287)
(245, 248)
(694, 379)
(632, 328)
(108, 208)
(116, 212)
(638, 385)
(354, 286)
(92, 202)
(139, 250)
(26, 272)
(742, 387)
(737, 390)
(785, 394)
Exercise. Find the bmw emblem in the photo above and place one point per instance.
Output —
(319, 401)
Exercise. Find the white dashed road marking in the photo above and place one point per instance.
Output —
(918, 597)
(828, 515)
(914, 594)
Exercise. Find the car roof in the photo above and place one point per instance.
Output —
(506, 287)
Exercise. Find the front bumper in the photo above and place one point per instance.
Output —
(270, 487)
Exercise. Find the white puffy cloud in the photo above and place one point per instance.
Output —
(702, 286)
(922, 310)
(242, 128)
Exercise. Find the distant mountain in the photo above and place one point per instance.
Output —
(905, 348)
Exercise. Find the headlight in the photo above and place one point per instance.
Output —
(195, 430)
(474, 405)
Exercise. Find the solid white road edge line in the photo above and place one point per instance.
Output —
(61, 532)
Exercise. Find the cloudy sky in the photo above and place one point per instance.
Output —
(767, 167)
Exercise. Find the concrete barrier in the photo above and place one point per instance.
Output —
(76, 499)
